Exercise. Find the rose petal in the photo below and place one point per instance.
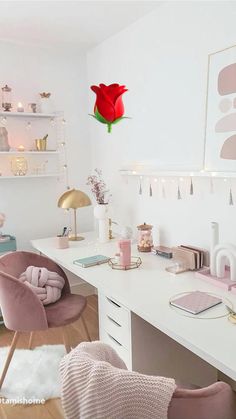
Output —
(104, 104)
(119, 107)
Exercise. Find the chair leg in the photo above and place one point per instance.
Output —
(65, 339)
(85, 328)
(31, 340)
(9, 357)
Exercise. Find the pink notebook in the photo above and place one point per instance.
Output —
(196, 302)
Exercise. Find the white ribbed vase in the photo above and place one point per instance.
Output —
(101, 214)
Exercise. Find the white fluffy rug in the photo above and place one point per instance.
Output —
(32, 374)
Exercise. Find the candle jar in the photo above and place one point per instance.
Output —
(145, 240)
(6, 98)
(19, 166)
(20, 107)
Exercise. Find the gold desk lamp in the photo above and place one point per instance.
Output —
(74, 199)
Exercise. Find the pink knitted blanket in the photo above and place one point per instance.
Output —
(45, 284)
(97, 385)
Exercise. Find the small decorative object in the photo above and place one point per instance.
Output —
(98, 187)
(145, 241)
(125, 252)
(46, 106)
(150, 190)
(179, 193)
(135, 263)
(109, 108)
(74, 199)
(4, 144)
(6, 98)
(100, 191)
(222, 272)
(140, 186)
(20, 107)
(191, 187)
(231, 201)
(33, 107)
(19, 166)
(21, 148)
(41, 143)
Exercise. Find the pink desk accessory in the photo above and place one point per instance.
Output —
(125, 252)
(225, 283)
(62, 242)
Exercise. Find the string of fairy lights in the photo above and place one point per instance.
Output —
(152, 185)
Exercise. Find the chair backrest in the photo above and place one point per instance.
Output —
(21, 308)
(218, 401)
(15, 263)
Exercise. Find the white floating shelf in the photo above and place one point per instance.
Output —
(27, 115)
(9, 153)
(31, 176)
(156, 173)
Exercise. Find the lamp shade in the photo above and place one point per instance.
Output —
(74, 199)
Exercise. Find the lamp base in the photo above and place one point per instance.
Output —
(74, 238)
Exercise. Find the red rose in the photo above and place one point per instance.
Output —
(109, 108)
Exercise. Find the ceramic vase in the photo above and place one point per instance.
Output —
(46, 105)
(101, 214)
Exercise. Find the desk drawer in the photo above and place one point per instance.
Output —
(123, 353)
(108, 306)
(116, 330)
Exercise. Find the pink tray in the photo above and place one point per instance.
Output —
(225, 282)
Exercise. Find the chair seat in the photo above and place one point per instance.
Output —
(66, 310)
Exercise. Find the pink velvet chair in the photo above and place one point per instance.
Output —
(218, 401)
(22, 311)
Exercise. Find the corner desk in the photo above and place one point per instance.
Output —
(135, 317)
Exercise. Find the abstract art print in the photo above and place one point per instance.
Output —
(220, 138)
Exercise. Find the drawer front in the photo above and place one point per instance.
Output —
(123, 353)
(116, 330)
(108, 306)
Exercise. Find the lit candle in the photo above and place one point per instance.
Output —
(21, 148)
(20, 107)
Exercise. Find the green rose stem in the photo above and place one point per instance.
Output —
(109, 126)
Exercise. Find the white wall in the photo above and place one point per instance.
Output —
(31, 204)
(162, 59)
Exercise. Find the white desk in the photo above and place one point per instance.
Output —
(145, 292)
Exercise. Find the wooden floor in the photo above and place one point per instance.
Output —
(52, 408)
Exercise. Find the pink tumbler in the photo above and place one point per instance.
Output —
(125, 252)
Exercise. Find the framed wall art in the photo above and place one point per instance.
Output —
(220, 132)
